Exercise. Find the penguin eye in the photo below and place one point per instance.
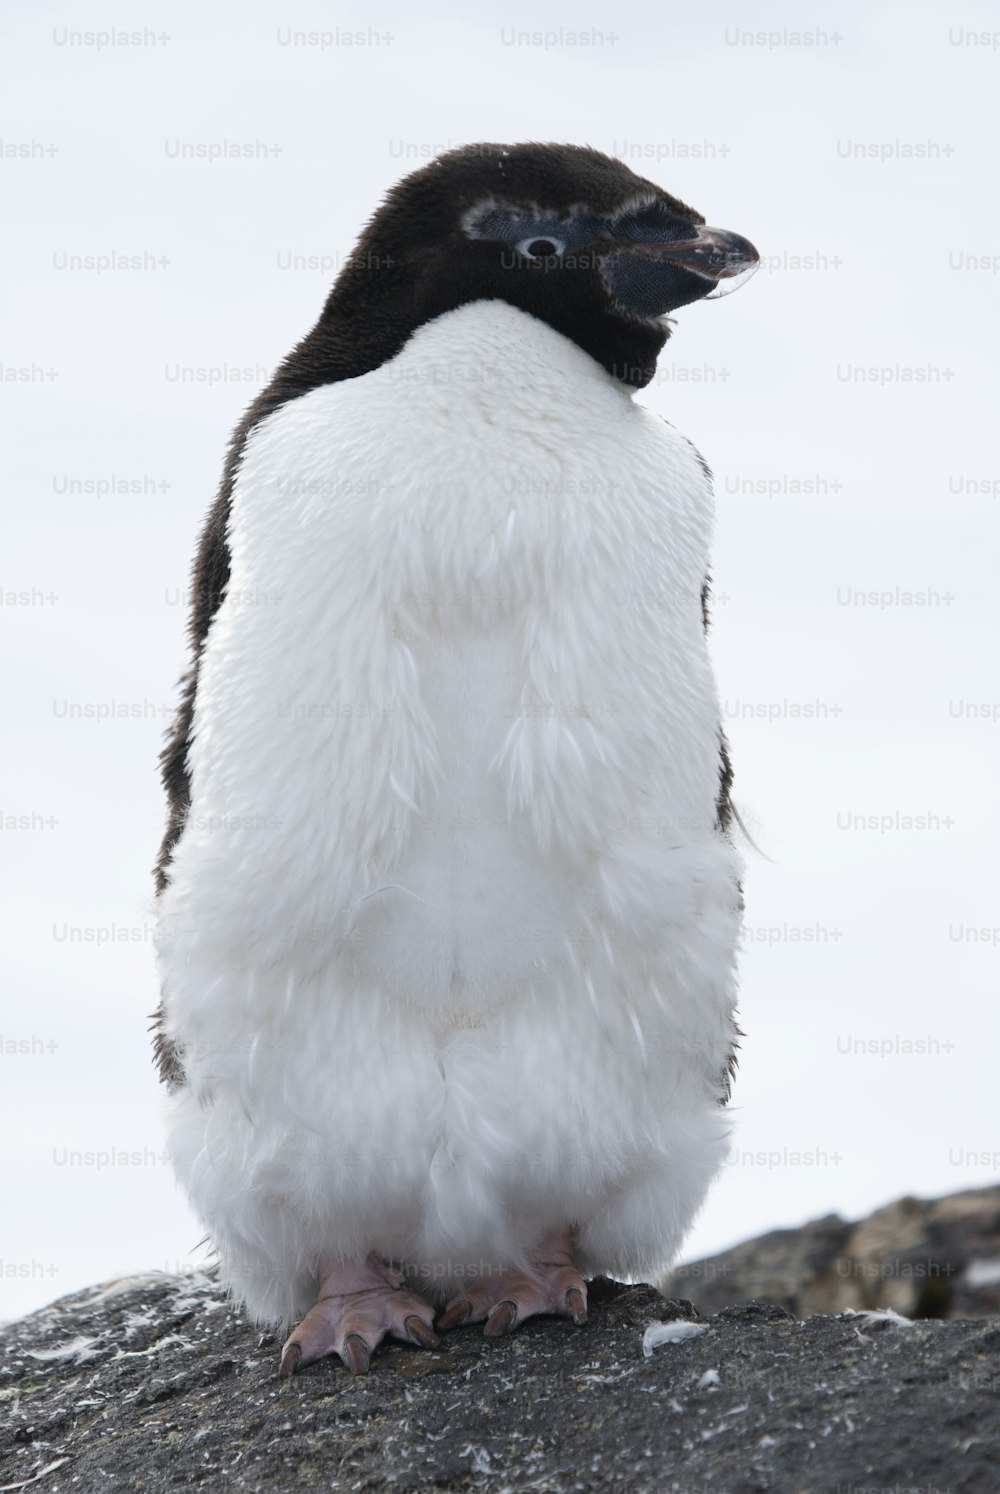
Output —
(541, 248)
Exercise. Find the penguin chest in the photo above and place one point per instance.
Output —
(472, 906)
(455, 719)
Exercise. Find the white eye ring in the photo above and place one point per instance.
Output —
(540, 246)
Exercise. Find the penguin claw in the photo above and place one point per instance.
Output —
(356, 1354)
(576, 1306)
(291, 1358)
(420, 1333)
(455, 1313)
(501, 1320)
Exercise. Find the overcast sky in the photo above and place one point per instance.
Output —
(846, 399)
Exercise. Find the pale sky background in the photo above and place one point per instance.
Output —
(864, 168)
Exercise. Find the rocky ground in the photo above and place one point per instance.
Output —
(925, 1258)
(155, 1383)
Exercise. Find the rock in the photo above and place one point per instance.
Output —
(156, 1383)
(924, 1258)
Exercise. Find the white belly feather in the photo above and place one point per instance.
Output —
(448, 946)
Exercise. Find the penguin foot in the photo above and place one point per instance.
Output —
(357, 1307)
(553, 1285)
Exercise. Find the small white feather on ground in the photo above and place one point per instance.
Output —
(669, 1333)
(880, 1315)
(78, 1349)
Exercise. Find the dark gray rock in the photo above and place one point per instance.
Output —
(924, 1258)
(156, 1383)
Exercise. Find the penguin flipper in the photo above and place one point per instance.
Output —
(211, 577)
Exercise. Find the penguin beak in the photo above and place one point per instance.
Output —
(651, 277)
(726, 259)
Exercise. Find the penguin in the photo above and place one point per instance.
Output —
(449, 897)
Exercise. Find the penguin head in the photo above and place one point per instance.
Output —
(563, 232)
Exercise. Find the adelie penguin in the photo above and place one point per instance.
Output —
(448, 902)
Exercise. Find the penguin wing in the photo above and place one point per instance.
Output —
(210, 578)
(724, 809)
(324, 356)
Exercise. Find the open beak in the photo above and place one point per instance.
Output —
(715, 254)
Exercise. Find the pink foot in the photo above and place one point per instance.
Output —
(357, 1306)
(553, 1285)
